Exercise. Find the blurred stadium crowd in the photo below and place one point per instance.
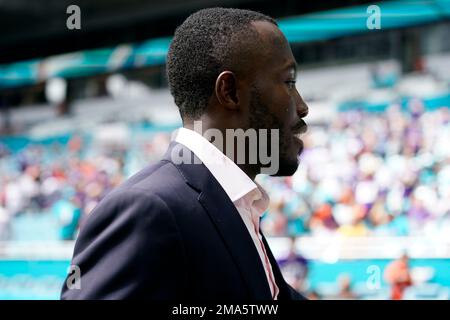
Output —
(369, 174)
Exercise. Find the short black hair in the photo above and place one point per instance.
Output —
(208, 42)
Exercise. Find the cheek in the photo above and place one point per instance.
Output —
(288, 115)
(286, 103)
(283, 106)
(280, 105)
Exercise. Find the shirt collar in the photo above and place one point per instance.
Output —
(232, 179)
(259, 199)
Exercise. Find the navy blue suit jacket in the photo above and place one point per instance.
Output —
(170, 232)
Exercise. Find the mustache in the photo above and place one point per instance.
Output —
(300, 127)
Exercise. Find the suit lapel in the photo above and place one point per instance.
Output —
(286, 291)
(238, 240)
(228, 222)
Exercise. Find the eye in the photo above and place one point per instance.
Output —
(291, 84)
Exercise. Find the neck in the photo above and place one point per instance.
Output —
(251, 170)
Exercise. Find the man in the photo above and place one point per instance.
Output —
(190, 230)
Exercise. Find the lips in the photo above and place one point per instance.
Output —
(300, 129)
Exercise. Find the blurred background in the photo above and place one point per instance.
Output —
(367, 214)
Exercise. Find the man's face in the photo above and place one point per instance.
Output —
(274, 100)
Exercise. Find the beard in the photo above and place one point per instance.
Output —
(261, 118)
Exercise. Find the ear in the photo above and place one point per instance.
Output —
(226, 90)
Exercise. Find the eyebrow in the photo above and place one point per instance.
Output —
(291, 65)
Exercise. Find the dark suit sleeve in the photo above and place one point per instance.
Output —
(130, 247)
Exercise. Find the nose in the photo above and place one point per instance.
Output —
(301, 106)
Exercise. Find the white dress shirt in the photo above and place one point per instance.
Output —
(249, 198)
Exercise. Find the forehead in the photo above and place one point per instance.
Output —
(274, 52)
